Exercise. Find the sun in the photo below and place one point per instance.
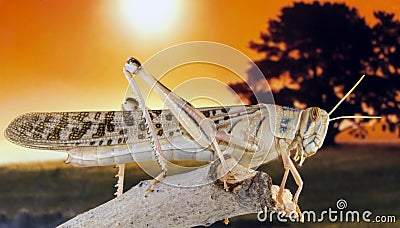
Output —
(150, 17)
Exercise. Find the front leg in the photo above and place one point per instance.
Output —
(289, 166)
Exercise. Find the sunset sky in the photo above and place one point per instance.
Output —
(67, 55)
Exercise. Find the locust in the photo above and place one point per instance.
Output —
(252, 134)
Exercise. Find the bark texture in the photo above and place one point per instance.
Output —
(174, 206)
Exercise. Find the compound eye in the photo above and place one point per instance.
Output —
(314, 113)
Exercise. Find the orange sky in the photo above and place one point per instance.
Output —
(67, 55)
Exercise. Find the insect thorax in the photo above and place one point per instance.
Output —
(287, 121)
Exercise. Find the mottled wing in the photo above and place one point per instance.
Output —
(69, 130)
(66, 130)
(116, 137)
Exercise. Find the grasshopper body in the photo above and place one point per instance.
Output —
(253, 134)
(102, 138)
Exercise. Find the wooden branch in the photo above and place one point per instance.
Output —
(174, 206)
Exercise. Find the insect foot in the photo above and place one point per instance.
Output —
(298, 211)
(236, 176)
(284, 203)
(157, 179)
(245, 185)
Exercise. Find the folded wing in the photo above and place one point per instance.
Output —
(115, 137)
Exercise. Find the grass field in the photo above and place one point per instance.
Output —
(367, 177)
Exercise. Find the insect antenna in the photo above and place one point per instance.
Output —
(347, 94)
(344, 98)
(355, 117)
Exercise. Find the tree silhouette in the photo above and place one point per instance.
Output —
(317, 52)
(385, 64)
